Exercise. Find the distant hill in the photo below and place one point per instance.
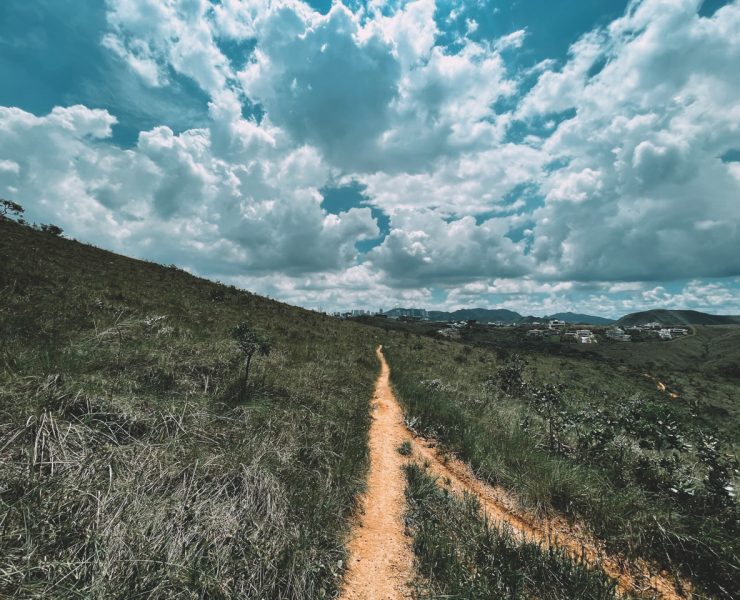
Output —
(676, 317)
(530, 319)
(479, 314)
(570, 317)
(485, 315)
(406, 312)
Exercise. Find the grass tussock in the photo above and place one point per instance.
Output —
(461, 555)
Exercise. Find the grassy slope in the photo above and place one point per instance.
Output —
(129, 464)
(619, 480)
(703, 368)
(675, 318)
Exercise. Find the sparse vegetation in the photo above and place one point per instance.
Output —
(10, 209)
(405, 448)
(251, 343)
(51, 229)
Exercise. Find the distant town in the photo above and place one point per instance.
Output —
(555, 330)
(649, 331)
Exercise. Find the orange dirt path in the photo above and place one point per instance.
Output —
(638, 578)
(380, 565)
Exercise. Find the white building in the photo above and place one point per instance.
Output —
(585, 336)
(618, 335)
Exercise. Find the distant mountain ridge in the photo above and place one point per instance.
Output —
(501, 315)
(571, 317)
(671, 318)
(676, 317)
(479, 314)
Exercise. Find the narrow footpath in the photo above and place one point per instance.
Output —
(381, 560)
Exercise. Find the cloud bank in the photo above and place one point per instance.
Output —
(598, 179)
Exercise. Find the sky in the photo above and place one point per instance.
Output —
(536, 155)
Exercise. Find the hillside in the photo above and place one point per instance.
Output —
(136, 459)
(479, 314)
(133, 460)
(571, 317)
(676, 318)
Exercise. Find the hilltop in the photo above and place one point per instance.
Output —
(676, 318)
(578, 318)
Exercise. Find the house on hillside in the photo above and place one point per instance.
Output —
(665, 334)
(585, 336)
(618, 334)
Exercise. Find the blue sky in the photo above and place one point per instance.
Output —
(539, 156)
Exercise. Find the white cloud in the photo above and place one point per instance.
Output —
(170, 198)
(151, 35)
(322, 81)
(472, 184)
(629, 188)
(423, 247)
(643, 176)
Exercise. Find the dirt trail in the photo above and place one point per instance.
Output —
(380, 565)
(381, 560)
(636, 577)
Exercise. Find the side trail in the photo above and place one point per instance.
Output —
(380, 565)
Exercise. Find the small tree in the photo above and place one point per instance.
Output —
(251, 343)
(52, 229)
(509, 378)
(9, 209)
(549, 403)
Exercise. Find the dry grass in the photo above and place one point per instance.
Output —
(130, 467)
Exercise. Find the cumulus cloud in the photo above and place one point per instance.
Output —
(154, 35)
(171, 197)
(423, 247)
(600, 169)
(321, 80)
(643, 172)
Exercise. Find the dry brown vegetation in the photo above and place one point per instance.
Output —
(132, 464)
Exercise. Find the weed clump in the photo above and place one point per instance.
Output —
(404, 449)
